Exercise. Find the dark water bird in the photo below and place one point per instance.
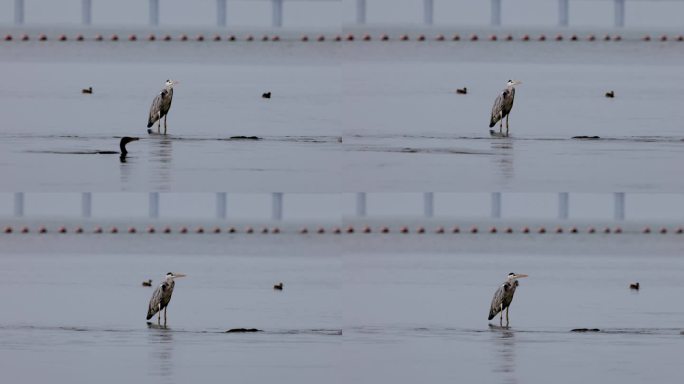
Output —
(610, 94)
(279, 286)
(503, 297)
(462, 91)
(161, 105)
(266, 95)
(503, 105)
(87, 91)
(147, 283)
(634, 286)
(162, 296)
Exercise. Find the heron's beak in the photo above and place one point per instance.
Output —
(519, 276)
(517, 82)
(175, 82)
(176, 275)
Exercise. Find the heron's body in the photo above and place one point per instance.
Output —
(503, 297)
(503, 106)
(161, 105)
(161, 297)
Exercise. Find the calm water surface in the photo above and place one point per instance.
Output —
(394, 104)
(356, 308)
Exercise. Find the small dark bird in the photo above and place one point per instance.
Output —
(610, 94)
(87, 91)
(634, 286)
(462, 91)
(266, 95)
(278, 287)
(147, 283)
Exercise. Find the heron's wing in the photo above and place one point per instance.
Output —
(497, 108)
(509, 96)
(497, 300)
(153, 307)
(155, 109)
(167, 97)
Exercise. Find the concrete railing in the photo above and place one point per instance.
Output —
(154, 5)
(361, 202)
(496, 11)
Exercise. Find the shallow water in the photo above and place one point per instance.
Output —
(394, 104)
(354, 308)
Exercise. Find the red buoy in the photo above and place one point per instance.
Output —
(114, 37)
(321, 230)
(167, 229)
(233, 38)
(473, 229)
(114, 230)
(350, 37)
(275, 230)
(167, 38)
(62, 37)
(8, 37)
(384, 37)
(150, 229)
(304, 231)
(132, 37)
(249, 230)
(542, 37)
(404, 229)
(264, 230)
(216, 229)
(439, 229)
(97, 230)
(559, 37)
(455, 229)
(404, 38)
(275, 38)
(384, 230)
(305, 38)
(474, 37)
(183, 230)
(42, 229)
(42, 37)
(321, 38)
(152, 37)
(366, 37)
(421, 37)
(78, 230)
(439, 37)
(509, 230)
(526, 37)
(366, 229)
(199, 230)
(493, 38)
(525, 230)
(350, 229)
(132, 230)
(420, 230)
(231, 230)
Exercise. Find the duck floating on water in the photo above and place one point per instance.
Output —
(610, 94)
(278, 287)
(634, 286)
(266, 95)
(462, 91)
(87, 91)
(147, 283)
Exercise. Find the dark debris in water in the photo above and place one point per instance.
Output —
(586, 330)
(244, 138)
(586, 137)
(243, 330)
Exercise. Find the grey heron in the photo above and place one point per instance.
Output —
(503, 105)
(161, 105)
(162, 296)
(503, 297)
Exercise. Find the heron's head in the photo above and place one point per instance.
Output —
(170, 83)
(174, 275)
(515, 276)
(512, 83)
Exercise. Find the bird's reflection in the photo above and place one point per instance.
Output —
(503, 339)
(161, 155)
(161, 349)
(503, 157)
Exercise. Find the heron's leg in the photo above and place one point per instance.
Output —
(507, 316)
(500, 122)
(501, 318)
(159, 315)
(168, 307)
(165, 124)
(507, 125)
(158, 122)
